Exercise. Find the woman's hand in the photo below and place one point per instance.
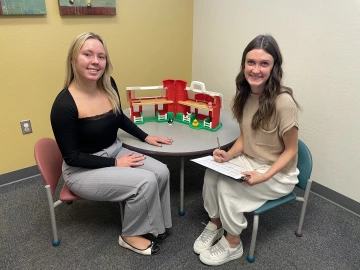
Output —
(157, 140)
(253, 178)
(221, 155)
(130, 160)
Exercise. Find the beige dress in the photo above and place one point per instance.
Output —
(228, 199)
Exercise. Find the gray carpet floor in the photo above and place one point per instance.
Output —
(89, 232)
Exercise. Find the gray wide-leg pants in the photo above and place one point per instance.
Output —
(145, 190)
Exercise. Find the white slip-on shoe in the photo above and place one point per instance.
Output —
(208, 237)
(152, 249)
(221, 253)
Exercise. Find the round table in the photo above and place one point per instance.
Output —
(187, 141)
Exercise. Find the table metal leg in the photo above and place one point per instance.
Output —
(181, 211)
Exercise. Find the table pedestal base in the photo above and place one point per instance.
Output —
(181, 210)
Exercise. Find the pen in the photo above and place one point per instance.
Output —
(218, 142)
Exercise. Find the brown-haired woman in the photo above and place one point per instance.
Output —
(267, 148)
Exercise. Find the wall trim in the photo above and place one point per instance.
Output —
(317, 188)
(336, 197)
(15, 176)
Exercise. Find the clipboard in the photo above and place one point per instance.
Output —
(225, 168)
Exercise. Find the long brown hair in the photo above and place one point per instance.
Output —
(104, 82)
(273, 86)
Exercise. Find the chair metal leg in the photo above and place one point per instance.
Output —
(251, 257)
(298, 233)
(122, 212)
(56, 240)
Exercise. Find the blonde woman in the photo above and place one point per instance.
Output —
(85, 118)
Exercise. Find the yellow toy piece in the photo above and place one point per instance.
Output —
(195, 123)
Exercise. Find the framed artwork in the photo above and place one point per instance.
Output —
(22, 7)
(87, 7)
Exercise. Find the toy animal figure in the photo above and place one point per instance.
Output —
(170, 121)
(210, 105)
(195, 123)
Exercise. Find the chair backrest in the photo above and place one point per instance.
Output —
(304, 164)
(49, 161)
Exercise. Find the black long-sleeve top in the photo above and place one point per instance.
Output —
(78, 138)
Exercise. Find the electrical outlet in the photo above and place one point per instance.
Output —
(26, 127)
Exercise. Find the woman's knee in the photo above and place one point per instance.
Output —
(163, 172)
(149, 181)
(225, 186)
(211, 178)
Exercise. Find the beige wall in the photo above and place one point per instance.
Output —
(148, 41)
(320, 45)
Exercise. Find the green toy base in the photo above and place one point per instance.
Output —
(178, 118)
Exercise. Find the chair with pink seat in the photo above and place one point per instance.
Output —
(49, 161)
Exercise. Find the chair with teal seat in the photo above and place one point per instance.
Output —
(304, 165)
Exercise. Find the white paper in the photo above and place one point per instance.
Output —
(226, 168)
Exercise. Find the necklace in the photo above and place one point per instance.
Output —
(88, 96)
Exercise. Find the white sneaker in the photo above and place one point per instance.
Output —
(208, 237)
(221, 253)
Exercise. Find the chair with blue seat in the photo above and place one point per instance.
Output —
(304, 165)
(49, 161)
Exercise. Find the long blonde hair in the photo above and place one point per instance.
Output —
(103, 82)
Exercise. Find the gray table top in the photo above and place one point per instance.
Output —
(186, 141)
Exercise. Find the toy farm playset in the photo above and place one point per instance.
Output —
(193, 106)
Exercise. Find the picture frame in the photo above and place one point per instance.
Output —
(22, 7)
(87, 7)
